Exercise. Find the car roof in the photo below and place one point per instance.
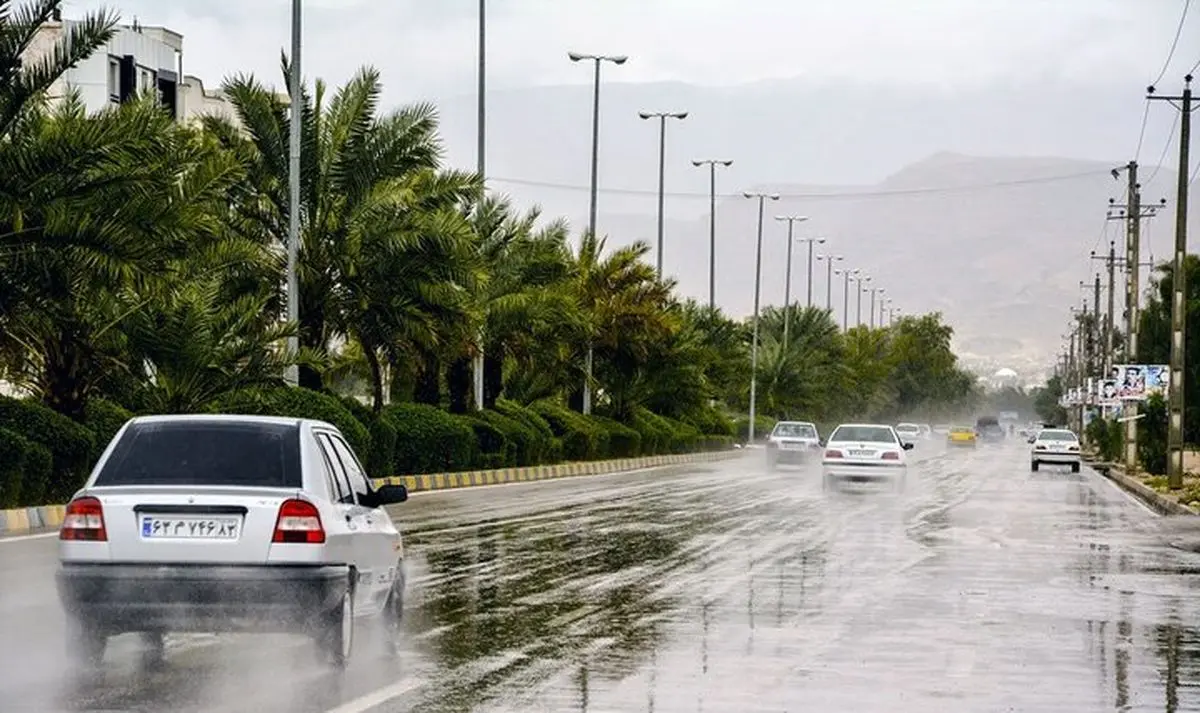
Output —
(794, 423)
(864, 425)
(906, 423)
(232, 418)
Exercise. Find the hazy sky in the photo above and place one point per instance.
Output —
(427, 47)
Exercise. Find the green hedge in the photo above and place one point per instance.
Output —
(296, 402)
(379, 459)
(547, 447)
(25, 470)
(496, 450)
(763, 425)
(711, 421)
(431, 440)
(104, 418)
(623, 441)
(70, 445)
(582, 437)
(527, 445)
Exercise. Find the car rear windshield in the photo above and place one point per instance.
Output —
(206, 453)
(1057, 436)
(795, 430)
(863, 434)
(908, 427)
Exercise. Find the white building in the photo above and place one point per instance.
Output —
(136, 60)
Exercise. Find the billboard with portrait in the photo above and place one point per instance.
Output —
(1135, 382)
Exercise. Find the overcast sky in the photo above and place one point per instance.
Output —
(426, 48)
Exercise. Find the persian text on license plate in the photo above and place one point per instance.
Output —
(859, 452)
(191, 528)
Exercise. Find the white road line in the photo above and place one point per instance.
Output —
(1126, 494)
(376, 698)
(24, 538)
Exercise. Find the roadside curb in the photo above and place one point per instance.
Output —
(1155, 500)
(20, 521)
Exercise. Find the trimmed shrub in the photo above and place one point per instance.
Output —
(379, 459)
(13, 450)
(546, 440)
(38, 474)
(582, 438)
(623, 441)
(104, 418)
(1152, 436)
(657, 434)
(495, 449)
(762, 426)
(716, 443)
(70, 444)
(429, 440)
(528, 445)
(297, 402)
(685, 437)
(711, 421)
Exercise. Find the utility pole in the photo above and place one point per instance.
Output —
(787, 279)
(712, 224)
(1096, 328)
(846, 276)
(829, 260)
(860, 281)
(810, 241)
(1179, 303)
(762, 199)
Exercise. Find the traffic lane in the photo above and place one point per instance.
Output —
(215, 673)
(985, 587)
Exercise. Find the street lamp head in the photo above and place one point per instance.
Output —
(619, 59)
(644, 115)
(774, 196)
(747, 194)
(697, 163)
(725, 163)
(838, 257)
(820, 241)
(576, 56)
(679, 115)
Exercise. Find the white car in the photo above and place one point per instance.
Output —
(1055, 446)
(909, 432)
(865, 454)
(792, 442)
(228, 523)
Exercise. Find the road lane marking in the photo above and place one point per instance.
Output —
(376, 698)
(26, 538)
(1126, 494)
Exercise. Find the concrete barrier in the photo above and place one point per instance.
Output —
(20, 521)
(1155, 500)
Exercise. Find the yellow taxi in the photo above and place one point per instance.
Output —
(961, 436)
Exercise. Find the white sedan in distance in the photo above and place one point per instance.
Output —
(792, 442)
(865, 455)
(228, 524)
(1055, 446)
(909, 432)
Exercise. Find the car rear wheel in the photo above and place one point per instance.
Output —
(154, 649)
(1033, 465)
(393, 614)
(86, 643)
(1074, 467)
(336, 636)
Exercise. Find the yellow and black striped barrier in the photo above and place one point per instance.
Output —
(19, 521)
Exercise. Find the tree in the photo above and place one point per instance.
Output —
(1154, 336)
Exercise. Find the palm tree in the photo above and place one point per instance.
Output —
(23, 78)
(803, 377)
(94, 210)
(526, 296)
(362, 179)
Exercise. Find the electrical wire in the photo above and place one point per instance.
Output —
(1174, 43)
(848, 195)
(1137, 153)
(1166, 147)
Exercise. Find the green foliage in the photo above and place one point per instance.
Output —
(1108, 438)
(528, 445)
(582, 438)
(763, 425)
(298, 403)
(70, 444)
(1152, 436)
(431, 440)
(13, 448)
(1045, 401)
(545, 447)
(104, 418)
(1154, 337)
(623, 441)
(711, 421)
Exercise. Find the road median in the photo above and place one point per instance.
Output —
(20, 521)
(1156, 501)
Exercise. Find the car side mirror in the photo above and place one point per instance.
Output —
(1031, 439)
(388, 495)
(907, 446)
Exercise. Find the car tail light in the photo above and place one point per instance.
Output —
(831, 453)
(1073, 448)
(299, 522)
(891, 455)
(84, 521)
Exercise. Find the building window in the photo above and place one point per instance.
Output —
(114, 80)
(146, 81)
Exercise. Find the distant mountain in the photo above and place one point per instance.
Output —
(955, 202)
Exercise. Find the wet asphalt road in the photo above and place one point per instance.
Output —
(724, 588)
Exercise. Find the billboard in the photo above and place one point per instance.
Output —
(1136, 382)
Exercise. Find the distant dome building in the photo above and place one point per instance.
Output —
(1004, 378)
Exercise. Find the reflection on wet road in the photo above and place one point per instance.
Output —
(727, 588)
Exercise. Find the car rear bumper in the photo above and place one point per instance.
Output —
(865, 473)
(792, 455)
(209, 598)
(956, 442)
(1048, 457)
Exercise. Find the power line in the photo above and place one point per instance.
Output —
(848, 195)
(1174, 43)
(1137, 153)
(1166, 147)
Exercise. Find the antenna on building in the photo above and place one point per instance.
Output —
(136, 25)
(56, 14)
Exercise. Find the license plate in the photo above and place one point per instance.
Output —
(190, 528)
(793, 446)
(858, 452)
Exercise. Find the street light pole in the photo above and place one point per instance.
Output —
(596, 59)
(480, 168)
(662, 117)
(810, 241)
(712, 224)
(762, 198)
(295, 114)
(829, 260)
(847, 275)
(873, 291)
(787, 280)
(858, 314)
